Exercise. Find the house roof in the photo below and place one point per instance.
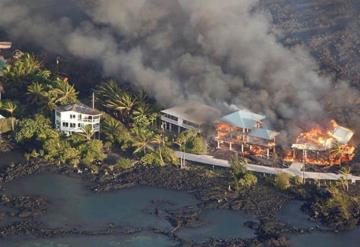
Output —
(194, 112)
(342, 134)
(80, 108)
(263, 133)
(5, 45)
(243, 119)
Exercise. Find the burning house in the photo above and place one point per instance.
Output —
(243, 131)
(191, 115)
(323, 146)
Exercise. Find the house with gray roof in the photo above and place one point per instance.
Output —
(191, 115)
(73, 118)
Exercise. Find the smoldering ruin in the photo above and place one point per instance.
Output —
(223, 53)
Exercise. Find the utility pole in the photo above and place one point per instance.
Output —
(93, 100)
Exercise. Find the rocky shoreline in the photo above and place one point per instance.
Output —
(211, 190)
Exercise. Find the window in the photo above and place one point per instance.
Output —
(65, 124)
(72, 116)
(171, 117)
(191, 124)
(72, 125)
(58, 114)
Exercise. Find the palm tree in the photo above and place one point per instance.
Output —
(10, 107)
(238, 166)
(345, 172)
(22, 67)
(35, 93)
(336, 152)
(64, 92)
(142, 140)
(122, 103)
(159, 140)
(182, 140)
(111, 126)
(342, 183)
(143, 116)
(87, 132)
(107, 90)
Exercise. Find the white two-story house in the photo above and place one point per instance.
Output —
(191, 115)
(74, 117)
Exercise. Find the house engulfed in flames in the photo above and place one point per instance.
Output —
(243, 131)
(323, 146)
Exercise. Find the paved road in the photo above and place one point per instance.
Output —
(293, 170)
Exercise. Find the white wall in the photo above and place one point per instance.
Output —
(74, 122)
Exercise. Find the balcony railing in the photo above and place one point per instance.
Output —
(169, 120)
(87, 120)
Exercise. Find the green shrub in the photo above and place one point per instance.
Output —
(192, 142)
(247, 181)
(91, 151)
(282, 181)
(197, 145)
(297, 180)
(123, 163)
(238, 167)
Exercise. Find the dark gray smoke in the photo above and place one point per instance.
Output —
(221, 52)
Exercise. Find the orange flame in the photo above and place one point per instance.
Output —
(321, 147)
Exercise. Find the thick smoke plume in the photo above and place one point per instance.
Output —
(221, 52)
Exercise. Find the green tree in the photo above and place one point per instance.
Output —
(91, 151)
(238, 167)
(36, 94)
(106, 91)
(87, 132)
(169, 156)
(197, 145)
(115, 132)
(10, 107)
(122, 103)
(159, 140)
(34, 131)
(345, 172)
(142, 142)
(142, 116)
(190, 141)
(152, 158)
(21, 72)
(63, 93)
